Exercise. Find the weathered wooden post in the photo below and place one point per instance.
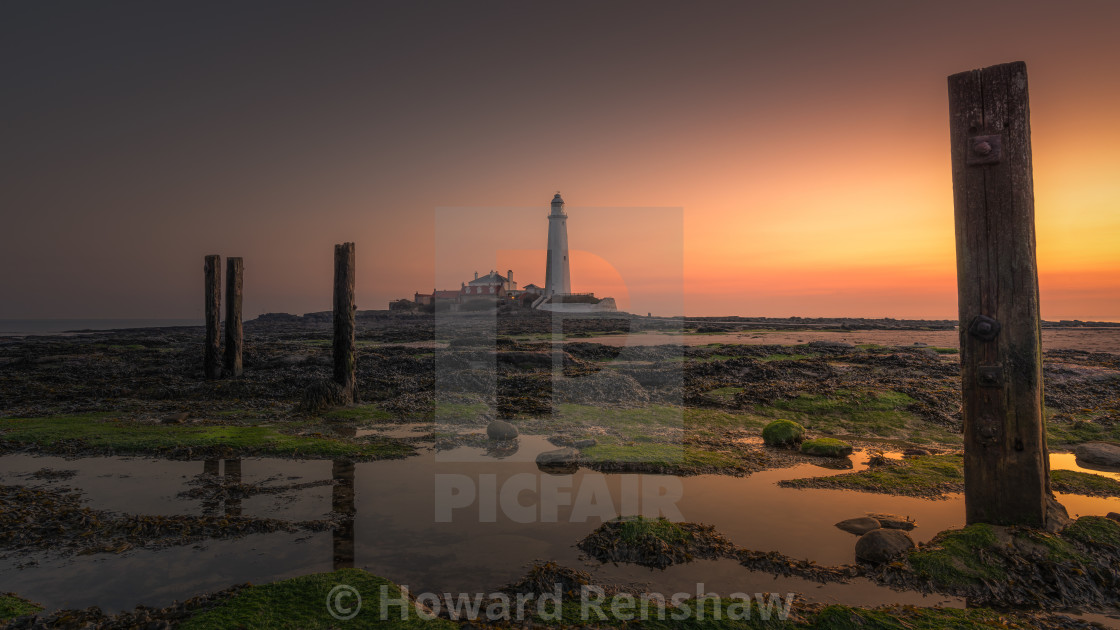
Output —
(1007, 472)
(212, 360)
(345, 359)
(234, 336)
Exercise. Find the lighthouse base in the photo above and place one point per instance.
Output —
(576, 303)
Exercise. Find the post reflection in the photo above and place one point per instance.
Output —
(342, 504)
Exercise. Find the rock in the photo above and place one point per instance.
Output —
(178, 418)
(588, 443)
(915, 452)
(891, 521)
(877, 458)
(560, 461)
(501, 430)
(882, 545)
(834, 463)
(1056, 516)
(783, 433)
(859, 526)
(1100, 453)
(1114, 516)
(826, 447)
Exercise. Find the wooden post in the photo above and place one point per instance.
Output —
(234, 336)
(345, 359)
(1006, 464)
(212, 361)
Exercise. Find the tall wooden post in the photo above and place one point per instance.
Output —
(345, 352)
(212, 360)
(234, 336)
(1007, 472)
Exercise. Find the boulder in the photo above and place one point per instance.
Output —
(891, 521)
(1056, 516)
(560, 461)
(588, 443)
(1114, 516)
(826, 447)
(783, 433)
(882, 545)
(501, 430)
(859, 526)
(1099, 453)
(915, 452)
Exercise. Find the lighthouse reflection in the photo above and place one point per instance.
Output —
(228, 492)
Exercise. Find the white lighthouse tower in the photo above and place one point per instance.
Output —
(557, 279)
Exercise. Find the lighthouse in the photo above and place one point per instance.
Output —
(557, 279)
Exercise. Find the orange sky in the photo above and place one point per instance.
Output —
(803, 146)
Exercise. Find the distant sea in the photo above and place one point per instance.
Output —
(20, 327)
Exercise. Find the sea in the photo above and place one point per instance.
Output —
(26, 327)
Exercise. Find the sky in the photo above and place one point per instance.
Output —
(717, 158)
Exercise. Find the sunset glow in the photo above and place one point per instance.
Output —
(811, 170)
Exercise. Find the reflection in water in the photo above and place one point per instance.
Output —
(227, 491)
(399, 537)
(342, 504)
(233, 480)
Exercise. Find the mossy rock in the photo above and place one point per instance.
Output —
(783, 433)
(826, 447)
(302, 602)
(12, 606)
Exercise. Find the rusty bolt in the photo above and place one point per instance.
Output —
(982, 148)
(984, 328)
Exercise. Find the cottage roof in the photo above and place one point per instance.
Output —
(491, 278)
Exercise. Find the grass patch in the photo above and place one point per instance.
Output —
(1079, 430)
(826, 447)
(956, 557)
(701, 418)
(300, 603)
(1094, 530)
(102, 432)
(981, 554)
(927, 476)
(1083, 483)
(12, 606)
(641, 530)
(945, 350)
(882, 414)
(651, 420)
